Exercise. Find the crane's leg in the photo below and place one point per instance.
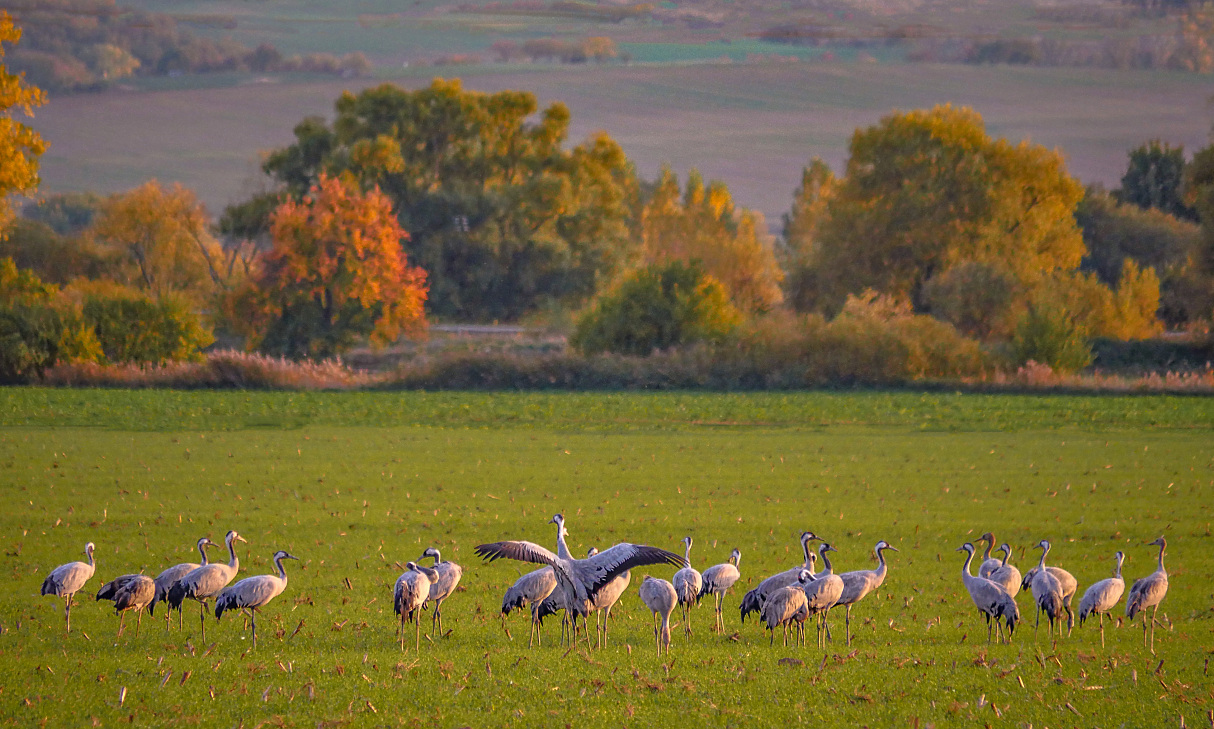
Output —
(1100, 616)
(67, 614)
(847, 625)
(253, 621)
(138, 622)
(1153, 621)
(417, 626)
(121, 619)
(181, 617)
(401, 632)
(202, 616)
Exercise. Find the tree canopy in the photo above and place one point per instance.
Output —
(501, 216)
(1154, 179)
(20, 146)
(927, 190)
(336, 273)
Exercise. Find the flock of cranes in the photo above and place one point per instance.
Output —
(579, 587)
(993, 591)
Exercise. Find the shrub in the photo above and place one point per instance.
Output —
(977, 298)
(134, 328)
(1049, 335)
(660, 306)
(38, 328)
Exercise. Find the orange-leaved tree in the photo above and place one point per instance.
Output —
(20, 146)
(336, 273)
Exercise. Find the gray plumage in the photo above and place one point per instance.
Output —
(529, 590)
(254, 593)
(1148, 592)
(580, 579)
(1047, 592)
(687, 583)
(717, 580)
(409, 594)
(165, 580)
(1007, 576)
(989, 564)
(1066, 581)
(788, 605)
(128, 592)
(822, 592)
(752, 601)
(68, 579)
(659, 596)
(857, 584)
(1102, 596)
(992, 601)
(606, 599)
(449, 575)
(207, 581)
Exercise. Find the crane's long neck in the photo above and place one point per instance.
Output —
(989, 546)
(1006, 556)
(89, 554)
(233, 562)
(1044, 551)
(1117, 567)
(687, 554)
(438, 557)
(282, 573)
(562, 550)
(1161, 569)
(827, 567)
(880, 563)
(965, 568)
(737, 560)
(202, 549)
(430, 574)
(808, 563)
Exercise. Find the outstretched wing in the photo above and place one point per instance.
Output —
(521, 551)
(605, 566)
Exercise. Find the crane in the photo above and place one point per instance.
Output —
(1007, 576)
(989, 564)
(787, 605)
(409, 594)
(1102, 597)
(822, 592)
(165, 581)
(207, 581)
(1047, 591)
(1066, 581)
(253, 593)
(580, 579)
(606, 598)
(529, 590)
(1148, 592)
(752, 601)
(129, 592)
(717, 581)
(857, 584)
(68, 579)
(687, 583)
(449, 574)
(659, 596)
(992, 601)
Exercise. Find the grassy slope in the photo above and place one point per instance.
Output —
(752, 125)
(354, 484)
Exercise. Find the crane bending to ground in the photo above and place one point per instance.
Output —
(659, 596)
(530, 590)
(752, 601)
(129, 592)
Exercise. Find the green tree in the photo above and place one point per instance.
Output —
(20, 146)
(703, 225)
(1199, 186)
(657, 307)
(1154, 178)
(926, 190)
(801, 234)
(502, 217)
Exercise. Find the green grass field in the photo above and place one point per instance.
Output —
(356, 484)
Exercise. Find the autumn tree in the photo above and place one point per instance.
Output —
(927, 190)
(501, 215)
(1154, 179)
(162, 239)
(336, 273)
(703, 225)
(20, 146)
(802, 227)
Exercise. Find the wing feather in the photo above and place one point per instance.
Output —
(521, 551)
(605, 566)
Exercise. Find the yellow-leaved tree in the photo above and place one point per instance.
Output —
(20, 146)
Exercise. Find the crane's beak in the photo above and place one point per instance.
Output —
(290, 556)
(241, 539)
(959, 549)
(892, 549)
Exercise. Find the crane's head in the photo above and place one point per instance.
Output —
(431, 552)
(824, 548)
(410, 566)
(1120, 557)
(1043, 545)
(808, 537)
(885, 545)
(735, 555)
(281, 555)
(1161, 543)
(805, 577)
(206, 542)
(591, 552)
(967, 547)
(687, 541)
(989, 538)
(234, 537)
(1007, 551)
(88, 548)
(559, 520)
